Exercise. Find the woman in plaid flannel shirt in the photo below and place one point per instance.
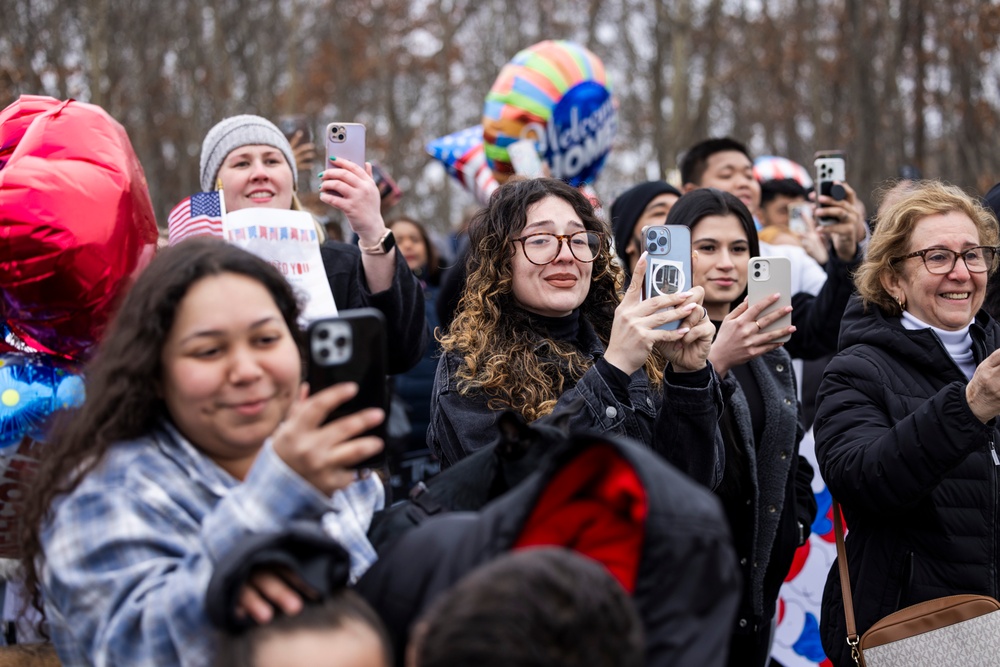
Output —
(196, 432)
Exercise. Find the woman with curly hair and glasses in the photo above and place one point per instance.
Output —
(541, 330)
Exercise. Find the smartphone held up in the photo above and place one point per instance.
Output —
(831, 172)
(668, 262)
(800, 218)
(351, 347)
(765, 277)
(346, 141)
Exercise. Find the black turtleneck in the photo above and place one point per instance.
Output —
(567, 329)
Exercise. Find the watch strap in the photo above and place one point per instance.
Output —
(384, 245)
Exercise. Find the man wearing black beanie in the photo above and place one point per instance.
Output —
(645, 204)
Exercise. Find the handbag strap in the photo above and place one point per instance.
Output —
(845, 580)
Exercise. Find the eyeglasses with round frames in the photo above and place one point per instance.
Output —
(543, 248)
(941, 261)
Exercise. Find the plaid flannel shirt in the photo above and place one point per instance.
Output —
(130, 551)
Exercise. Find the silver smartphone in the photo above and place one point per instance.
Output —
(830, 167)
(668, 262)
(765, 276)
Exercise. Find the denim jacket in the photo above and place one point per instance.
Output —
(687, 406)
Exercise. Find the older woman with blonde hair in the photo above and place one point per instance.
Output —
(906, 426)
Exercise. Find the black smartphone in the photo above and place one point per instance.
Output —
(351, 347)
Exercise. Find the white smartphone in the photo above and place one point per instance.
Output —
(765, 276)
(524, 158)
(830, 167)
(346, 141)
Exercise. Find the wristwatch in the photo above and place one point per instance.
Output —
(384, 245)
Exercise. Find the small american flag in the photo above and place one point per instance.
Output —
(198, 215)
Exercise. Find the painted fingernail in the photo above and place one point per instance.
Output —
(684, 295)
(320, 174)
(333, 158)
(683, 330)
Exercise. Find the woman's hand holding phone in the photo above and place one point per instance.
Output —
(983, 391)
(350, 188)
(635, 330)
(690, 353)
(742, 335)
(325, 455)
(849, 230)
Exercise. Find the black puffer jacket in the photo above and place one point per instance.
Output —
(686, 582)
(913, 468)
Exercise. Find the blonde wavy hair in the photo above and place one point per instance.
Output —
(503, 356)
(894, 226)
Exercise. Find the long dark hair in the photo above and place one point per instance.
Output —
(123, 379)
(698, 204)
(432, 272)
(494, 336)
(689, 210)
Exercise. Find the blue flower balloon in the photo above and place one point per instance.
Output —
(32, 388)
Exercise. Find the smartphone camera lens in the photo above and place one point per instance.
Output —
(651, 235)
(651, 247)
(756, 274)
(662, 240)
(324, 353)
(340, 341)
(322, 334)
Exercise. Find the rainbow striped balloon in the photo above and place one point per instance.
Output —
(557, 94)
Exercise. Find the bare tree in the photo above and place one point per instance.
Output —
(890, 81)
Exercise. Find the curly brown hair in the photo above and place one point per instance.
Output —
(894, 226)
(494, 336)
(123, 400)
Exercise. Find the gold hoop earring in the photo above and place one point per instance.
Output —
(901, 300)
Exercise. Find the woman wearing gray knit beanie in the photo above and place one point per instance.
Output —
(253, 161)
